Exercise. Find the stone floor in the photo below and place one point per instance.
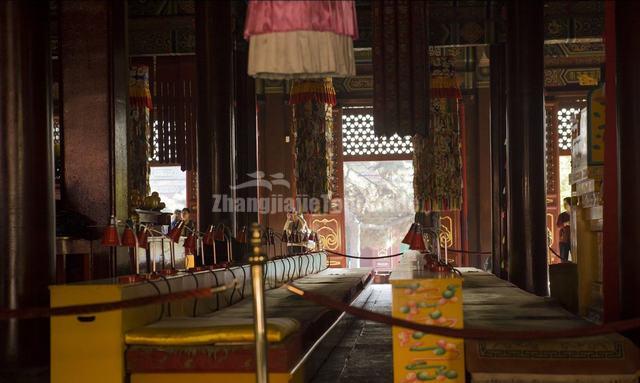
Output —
(365, 352)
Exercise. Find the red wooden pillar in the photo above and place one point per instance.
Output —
(94, 94)
(498, 158)
(627, 81)
(214, 48)
(27, 244)
(526, 223)
(610, 246)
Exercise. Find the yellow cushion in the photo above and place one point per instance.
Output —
(202, 331)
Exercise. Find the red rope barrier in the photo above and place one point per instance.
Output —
(41, 312)
(467, 333)
(355, 257)
(399, 254)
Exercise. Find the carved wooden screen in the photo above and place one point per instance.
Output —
(173, 85)
(553, 177)
(174, 116)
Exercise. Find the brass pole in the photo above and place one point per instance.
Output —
(257, 260)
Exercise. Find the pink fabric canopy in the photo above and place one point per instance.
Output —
(309, 15)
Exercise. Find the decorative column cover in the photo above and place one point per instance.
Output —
(138, 133)
(400, 67)
(312, 128)
(437, 158)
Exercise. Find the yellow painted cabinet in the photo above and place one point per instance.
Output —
(432, 299)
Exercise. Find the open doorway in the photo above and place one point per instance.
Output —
(378, 198)
(378, 190)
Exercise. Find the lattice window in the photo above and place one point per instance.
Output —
(551, 153)
(358, 138)
(566, 119)
(155, 143)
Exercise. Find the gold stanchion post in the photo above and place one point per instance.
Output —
(257, 260)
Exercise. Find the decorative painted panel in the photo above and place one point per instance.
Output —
(331, 234)
(142, 8)
(579, 77)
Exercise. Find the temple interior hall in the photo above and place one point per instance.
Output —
(319, 191)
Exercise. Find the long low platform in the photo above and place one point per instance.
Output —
(183, 348)
(309, 343)
(208, 339)
(364, 355)
(490, 302)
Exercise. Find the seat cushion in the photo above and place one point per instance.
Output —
(205, 331)
(167, 347)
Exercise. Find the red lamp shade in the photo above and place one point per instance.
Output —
(409, 237)
(219, 234)
(110, 234)
(207, 239)
(417, 242)
(128, 237)
(143, 238)
(242, 236)
(176, 232)
(190, 243)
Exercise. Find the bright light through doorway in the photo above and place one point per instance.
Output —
(171, 183)
(378, 209)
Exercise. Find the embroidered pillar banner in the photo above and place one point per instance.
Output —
(138, 133)
(437, 158)
(312, 128)
(400, 67)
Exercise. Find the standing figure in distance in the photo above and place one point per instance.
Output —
(564, 227)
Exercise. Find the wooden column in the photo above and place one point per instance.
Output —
(498, 156)
(276, 152)
(526, 227)
(214, 50)
(94, 93)
(27, 242)
(627, 14)
(245, 111)
(484, 178)
(610, 246)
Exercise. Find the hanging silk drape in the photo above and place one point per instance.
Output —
(138, 133)
(400, 67)
(312, 128)
(437, 158)
(301, 39)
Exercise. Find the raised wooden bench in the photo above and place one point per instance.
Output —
(219, 347)
(490, 302)
(91, 348)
